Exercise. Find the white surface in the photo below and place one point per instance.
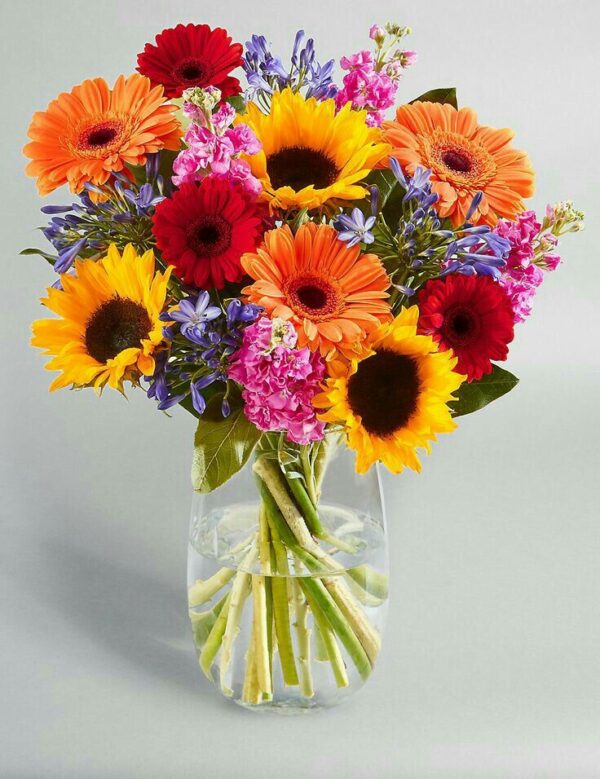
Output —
(491, 663)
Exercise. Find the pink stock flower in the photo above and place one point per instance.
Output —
(366, 88)
(239, 172)
(279, 381)
(377, 33)
(216, 152)
(362, 60)
(521, 277)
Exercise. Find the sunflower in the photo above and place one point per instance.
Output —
(472, 315)
(312, 156)
(464, 157)
(203, 230)
(394, 400)
(332, 294)
(192, 55)
(93, 131)
(109, 328)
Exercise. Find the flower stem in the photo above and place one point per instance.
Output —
(329, 648)
(370, 580)
(320, 599)
(303, 632)
(362, 628)
(306, 506)
(202, 591)
(240, 590)
(260, 638)
(281, 612)
(202, 622)
(215, 637)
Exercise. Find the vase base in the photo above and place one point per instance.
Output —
(288, 708)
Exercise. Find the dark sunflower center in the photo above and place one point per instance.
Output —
(384, 392)
(210, 235)
(191, 71)
(298, 167)
(460, 325)
(457, 161)
(118, 324)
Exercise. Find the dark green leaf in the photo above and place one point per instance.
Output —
(39, 253)
(221, 445)
(477, 394)
(442, 95)
(386, 183)
(237, 102)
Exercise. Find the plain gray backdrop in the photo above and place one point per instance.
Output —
(491, 662)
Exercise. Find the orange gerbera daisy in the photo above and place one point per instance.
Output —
(332, 294)
(93, 131)
(464, 158)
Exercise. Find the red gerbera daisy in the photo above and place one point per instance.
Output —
(192, 55)
(203, 230)
(472, 315)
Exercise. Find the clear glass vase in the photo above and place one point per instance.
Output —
(287, 578)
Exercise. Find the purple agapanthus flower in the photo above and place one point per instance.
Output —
(355, 227)
(417, 186)
(192, 315)
(86, 228)
(266, 72)
(202, 339)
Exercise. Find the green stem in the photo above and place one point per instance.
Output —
(260, 635)
(309, 475)
(202, 591)
(213, 642)
(202, 622)
(320, 599)
(303, 632)
(281, 611)
(329, 649)
(306, 506)
(370, 580)
(240, 590)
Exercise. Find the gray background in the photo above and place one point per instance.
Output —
(491, 663)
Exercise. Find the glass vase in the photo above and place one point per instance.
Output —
(287, 577)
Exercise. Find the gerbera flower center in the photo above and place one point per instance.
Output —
(457, 161)
(99, 135)
(210, 235)
(299, 167)
(314, 297)
(384, 391)
(118, 324)
(190, 71)
(460, 325)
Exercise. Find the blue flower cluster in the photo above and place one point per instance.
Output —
(266, 73)
(202, 339)
(86, 228)
(467, 249)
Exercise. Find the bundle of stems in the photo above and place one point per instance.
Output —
(298, 576)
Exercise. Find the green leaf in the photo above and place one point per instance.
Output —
(48, 257)
(386, 183)
(442, 95)
(237, 102)
(477, 394)
(221, 445)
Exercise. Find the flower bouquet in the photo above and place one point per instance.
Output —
(316, 284)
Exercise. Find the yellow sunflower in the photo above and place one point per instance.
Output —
(109, 327)
(395, 400)
(310, 155)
